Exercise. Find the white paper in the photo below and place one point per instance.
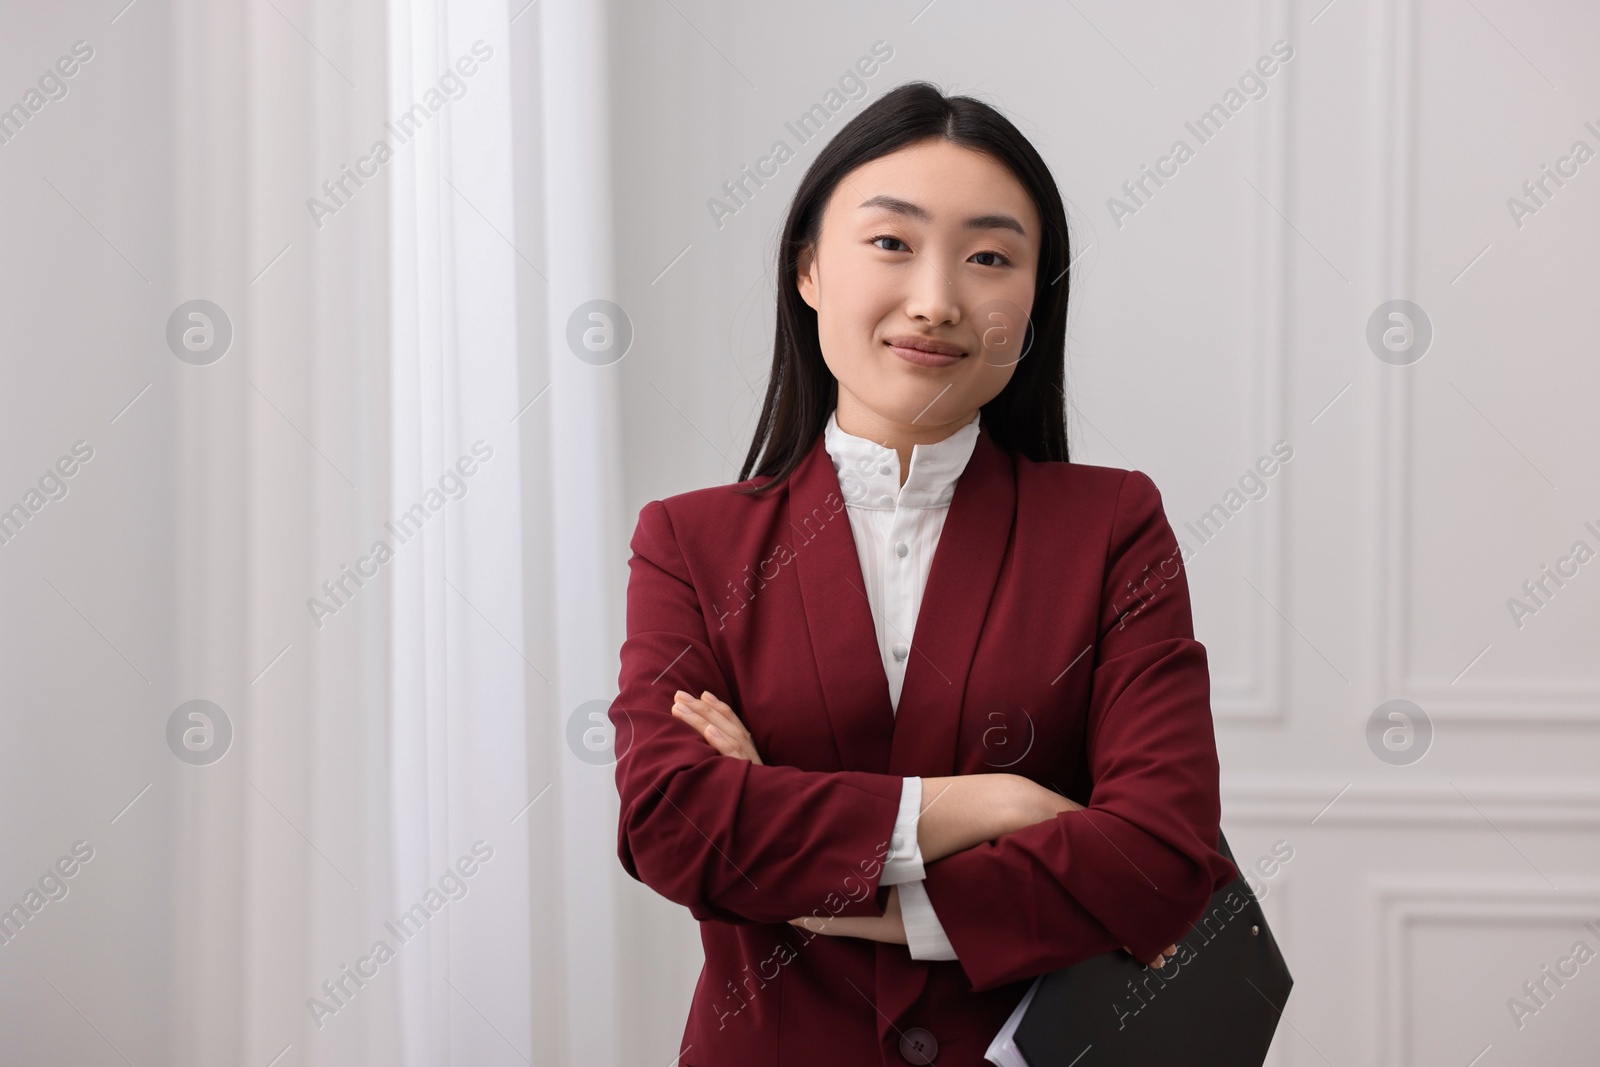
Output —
(1003, 1050)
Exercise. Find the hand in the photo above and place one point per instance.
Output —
(889, 927)
(1170, 950)
(717, 724)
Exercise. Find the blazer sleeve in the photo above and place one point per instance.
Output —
(1139, 864)
(731, 840)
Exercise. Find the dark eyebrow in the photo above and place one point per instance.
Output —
(921, 214)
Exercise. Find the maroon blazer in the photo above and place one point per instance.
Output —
(1054, 641)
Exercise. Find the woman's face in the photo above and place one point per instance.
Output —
(935, 244)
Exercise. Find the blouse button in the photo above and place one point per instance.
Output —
(901, 651)
(918, 1046)
(886, 499)
(884, 470)
(901, 549)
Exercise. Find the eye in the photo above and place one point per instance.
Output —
(1003, 260)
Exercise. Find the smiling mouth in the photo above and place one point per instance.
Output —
(924, 351)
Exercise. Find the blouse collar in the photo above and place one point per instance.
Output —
(869, 473)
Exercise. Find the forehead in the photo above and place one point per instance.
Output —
(944, 185)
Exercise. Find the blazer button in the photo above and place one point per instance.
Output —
(918, 1046)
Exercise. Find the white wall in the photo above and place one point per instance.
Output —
(1226, 314)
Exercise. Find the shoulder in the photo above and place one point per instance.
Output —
(674, 522)
(1086, 484)
(724, 502)
(1107, 510)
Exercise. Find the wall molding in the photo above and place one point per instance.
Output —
(1259, 695)
(1397, 904)
(1571, 805)
(1506, 704)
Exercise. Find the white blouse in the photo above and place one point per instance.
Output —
(896, 529)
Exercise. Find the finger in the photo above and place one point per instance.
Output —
(736, 740)
(1161, 960)
(721, 742)
(688, 715)
(730, 723)
(706, 730)
(724, 744)
(694, 712)
(730, 746)
(717, 713)
(1157, 962)
(727, 721)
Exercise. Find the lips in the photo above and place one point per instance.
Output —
(925, 351)
(925, 344)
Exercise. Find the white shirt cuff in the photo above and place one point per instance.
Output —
(925, 935)
(904, 862)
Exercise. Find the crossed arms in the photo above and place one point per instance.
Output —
(971, 809)
(1023, 880)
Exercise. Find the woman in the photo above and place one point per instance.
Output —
(915, 713)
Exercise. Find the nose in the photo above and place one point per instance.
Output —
(933, 297)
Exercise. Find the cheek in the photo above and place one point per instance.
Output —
(855, 302)
(848, 325)
(1001, 323)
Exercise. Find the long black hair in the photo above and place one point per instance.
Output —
(1028, 415)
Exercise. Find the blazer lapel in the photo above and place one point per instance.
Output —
(921, 739)
(870, 735)
(955, 603)
(838, 615)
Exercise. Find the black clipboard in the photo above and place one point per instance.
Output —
(1217, 1001)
